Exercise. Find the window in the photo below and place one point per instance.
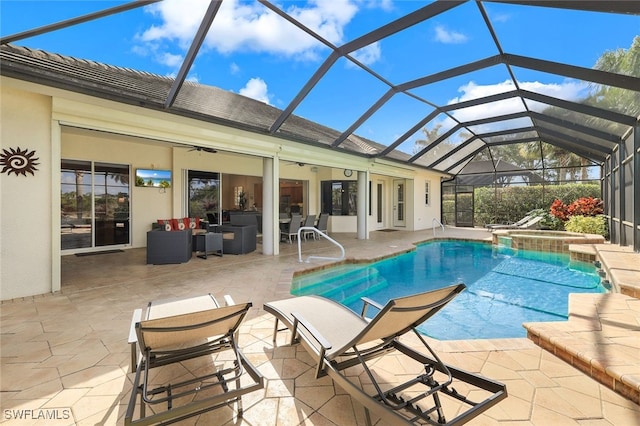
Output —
(204, 195)
(427, 186)
(238, 197)
(339, 198)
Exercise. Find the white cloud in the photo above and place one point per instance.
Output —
(500, 17)
(180, 21)
(368, 54)
(234, 68)
(170, 59)
(256, 89)
(447, 36)
(570, 90)
(386, 5)
(241, 26)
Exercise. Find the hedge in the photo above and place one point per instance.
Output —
(510, 204)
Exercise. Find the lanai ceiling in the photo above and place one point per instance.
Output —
(429, 83)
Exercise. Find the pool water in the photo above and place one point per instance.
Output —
(504, 288)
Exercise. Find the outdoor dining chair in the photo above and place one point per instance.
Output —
(309, 221)
(291, 231)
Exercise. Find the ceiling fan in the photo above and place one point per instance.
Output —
(203, 149)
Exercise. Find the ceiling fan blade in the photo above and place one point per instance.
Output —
(203, 149)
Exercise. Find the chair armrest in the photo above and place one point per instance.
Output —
(368, 302)
(133, 339)
(315, 334)
(228, 300)
(299, 319)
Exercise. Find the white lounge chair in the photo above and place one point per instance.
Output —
(521, 222)
(532, 223)
(338, 339)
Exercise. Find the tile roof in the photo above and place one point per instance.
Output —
(206, 103)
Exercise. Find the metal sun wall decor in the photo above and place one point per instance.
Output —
(18, 161)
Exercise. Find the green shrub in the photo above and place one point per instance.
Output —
(587, 225)
(512, 203)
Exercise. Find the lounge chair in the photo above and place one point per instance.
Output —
(521, 222)
(531, 223)
(338, 339)
(177, 330)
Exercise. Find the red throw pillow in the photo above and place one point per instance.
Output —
(166, 224)
(169, 224)
(194, 222)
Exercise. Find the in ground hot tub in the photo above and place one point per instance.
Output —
(542, 240)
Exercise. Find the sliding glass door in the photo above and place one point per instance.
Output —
(204, 195)
(94, 204)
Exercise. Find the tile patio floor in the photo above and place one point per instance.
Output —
(67, 353)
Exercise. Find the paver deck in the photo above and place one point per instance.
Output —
(67, 354)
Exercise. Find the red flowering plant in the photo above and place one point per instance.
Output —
(586, 206)
(560, 210)
(583, 215)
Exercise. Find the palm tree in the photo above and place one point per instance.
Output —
(619, 61)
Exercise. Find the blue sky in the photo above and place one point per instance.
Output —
(251, 51)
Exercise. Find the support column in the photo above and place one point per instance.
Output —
(270, 229)
(613, 204)
(622, 195)
(56, 158)
(605, 188)
(363, 196)
(635, 172)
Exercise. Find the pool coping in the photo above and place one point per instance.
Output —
(601, 338)
(589, 332)
(602, 335)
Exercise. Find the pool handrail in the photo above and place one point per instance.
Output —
(322, 234)
(435, 222)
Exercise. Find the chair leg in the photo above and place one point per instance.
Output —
(367, 416)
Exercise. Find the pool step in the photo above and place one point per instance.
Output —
(353, 283)
(303, 283)
(367, 291)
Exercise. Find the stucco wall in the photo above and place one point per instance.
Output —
(25, 212)
(423, 214)
(58, 124)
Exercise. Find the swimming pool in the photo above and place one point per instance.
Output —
(504, 288)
